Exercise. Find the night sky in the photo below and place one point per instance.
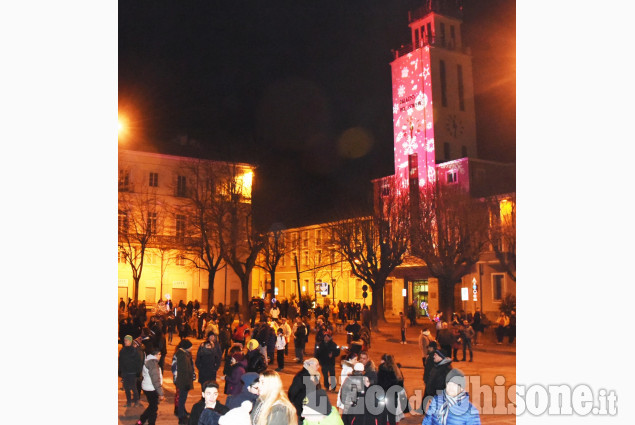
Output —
(300, 89)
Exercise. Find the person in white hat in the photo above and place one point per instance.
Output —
(424, 341)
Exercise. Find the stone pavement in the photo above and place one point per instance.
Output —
(493, 371)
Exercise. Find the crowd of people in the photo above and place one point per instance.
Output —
(238, 356)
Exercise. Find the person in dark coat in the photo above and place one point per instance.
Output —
(208, 360)
(352, 396)
(300, 338)
(255, 360)
(130, 366)
(436, 379)
(213, 408)
(327, 352)
(233, 382)
(389, 375)
(305, 381)
(249, 391)
(184, 377)
(446, 339)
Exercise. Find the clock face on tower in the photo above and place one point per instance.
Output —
(454, 126)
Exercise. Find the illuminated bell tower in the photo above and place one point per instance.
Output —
(433, 95)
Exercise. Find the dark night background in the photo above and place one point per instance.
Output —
(278, 83)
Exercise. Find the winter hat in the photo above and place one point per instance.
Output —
(426, 332)
(456, 376)
(127, 338)
(433, 344)
(440, 353)
(186, 344)
(318, 400)
(359, 366)
(249, 378)
(252, 344)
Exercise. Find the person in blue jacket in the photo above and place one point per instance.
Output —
(453, 406)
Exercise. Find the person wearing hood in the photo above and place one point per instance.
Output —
(352, 396)
(348, 362)
(151, 385)
(208, 359)
(248, 392)
(256, 361)
(233, 383)
(130, 367)
(452, 406)
(184, 377)
(436, 379)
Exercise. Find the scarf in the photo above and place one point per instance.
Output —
(442, 416)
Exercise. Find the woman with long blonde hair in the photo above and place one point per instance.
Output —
(272, 406)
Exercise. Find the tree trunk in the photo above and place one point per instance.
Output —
(211, 275)
(136, 288)
(377, 307)
(273, 284)
(446, 297)
(244, 308)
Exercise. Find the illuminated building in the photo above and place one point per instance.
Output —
(156, 216)
(434, 142)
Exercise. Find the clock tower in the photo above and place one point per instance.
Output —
(433, 95)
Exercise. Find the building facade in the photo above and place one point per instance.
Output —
(159, 238)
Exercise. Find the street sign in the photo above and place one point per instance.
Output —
(464, 294)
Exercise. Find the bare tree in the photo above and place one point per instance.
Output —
(198, 218)
(375, 245)
(141, 218)
(275, 246)
(239, 241)
(502, 234)
(451, 235)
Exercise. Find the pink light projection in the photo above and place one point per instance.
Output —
(412, 115)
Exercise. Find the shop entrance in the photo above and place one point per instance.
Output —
(420, 294)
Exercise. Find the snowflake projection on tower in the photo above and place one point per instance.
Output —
(413, 114)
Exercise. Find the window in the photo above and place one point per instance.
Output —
(318, 256)
(181, 186)
(429, 32)
(463, 151)
(385, 188)
(283, 260)
(444, 98)
(442, 34)
(179, 260)
(498, 283)
(124, 180)
(282, 287)
(295, 240)
(452, 176)
(452, 41)
(332, 255)
(180, 226)
(305, 287)
(154, 180)
(152, 223)
(459, 73)
(416, 37)
(305, 239)
(151, 258)
(305, 258)
(123, 222)
(318, 237)
(446, 150)
(121, 257)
